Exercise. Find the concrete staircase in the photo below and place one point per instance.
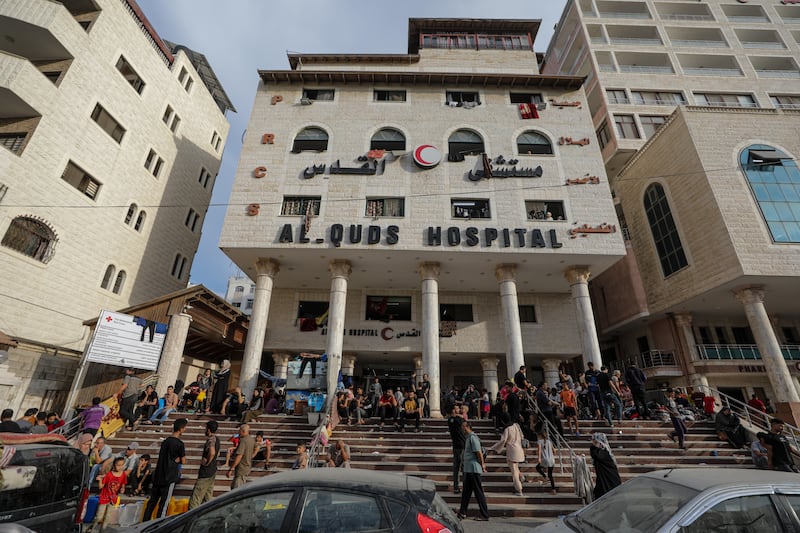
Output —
(639, 446)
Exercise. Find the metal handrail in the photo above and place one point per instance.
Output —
(329, 416)
(753, 417)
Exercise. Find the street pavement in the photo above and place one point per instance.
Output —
(502, 525)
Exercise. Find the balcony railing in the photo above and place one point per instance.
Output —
(778, 73)
(712, 71)
(652, 69)
(616, 100)
(699, 43)
(788, 106)
(738, 352)
(684, 16)
(635, 40)
(645, 101)
(657, 358)
(762, 44)
(607, 68)
(734, 18)
(599, 40)
(624, 15)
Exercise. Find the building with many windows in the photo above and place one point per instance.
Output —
(110, 140)
(696, 106)
(437, 211)
(240, 293)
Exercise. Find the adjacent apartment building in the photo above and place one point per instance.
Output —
(240, 293)
(110, 141)
(696, 107)
(438, 211)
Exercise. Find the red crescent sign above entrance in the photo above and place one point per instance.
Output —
(427, 156)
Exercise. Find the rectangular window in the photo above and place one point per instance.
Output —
(236, 304)
(216, 139)
(722, 335)
(385, 207)
(658, 98)
(13, 141)
(526, 98)
(192, 218)
(301, 205)
(462, 98)
(389, 96)
(313, 310)
(130, 75)
(168, 112)
(545, 209)
(527, 313)
(743, 335)
(176, 121)
(107, 122)
(790, 335)
(249, 304)
(470, 209)
(705, 335)
(617, 96)
(651, 123)
(153, 163)
(786, 101)
(183, 74)
(78, 178)
(626, 127)
(386, 308)
(185, 79)
(455, 312)
(603, 135)
(205, 178)
(317, 95)
(725, 100)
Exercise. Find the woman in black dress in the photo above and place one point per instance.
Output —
(221, 387)
(605, 465)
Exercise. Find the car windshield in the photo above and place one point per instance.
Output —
(640, 505)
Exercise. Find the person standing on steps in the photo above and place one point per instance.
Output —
(171, 455)
(635, 378)
(204, 487)
(605, 465)
(243, 457)
(474, 466)
(127, 395)
(459, 438)
(511, 441)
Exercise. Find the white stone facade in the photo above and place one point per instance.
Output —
(269, 172)
(240, 293)
(50, 87)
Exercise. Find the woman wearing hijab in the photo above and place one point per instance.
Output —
(511, 440)
(221, 386)
(605, 465)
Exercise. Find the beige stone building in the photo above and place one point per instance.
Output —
(111, 141)
(697, 107)
(436, 211)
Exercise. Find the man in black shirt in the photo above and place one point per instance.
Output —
(520, 380)
(204, 488)
(607, 392)
(426, 390)
(171, 455)
(7, 424)
(459, 437)
(780, 456)
(595, 398)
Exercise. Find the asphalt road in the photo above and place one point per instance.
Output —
(502, 525)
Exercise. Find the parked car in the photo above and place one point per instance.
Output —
(692, 500)
(319, 500)
(44, 484)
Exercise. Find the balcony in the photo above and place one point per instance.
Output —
(644, 63)
(36, 43)
(790, 14)
(709, 65)
(775, 67)
(759, 38)
(623, 10)
(745, 13)
(684, 12)
(697, 37)
(742, 352)
(633, 35)
(656, 359)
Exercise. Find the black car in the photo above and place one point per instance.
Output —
(319, 500)
(44, 486)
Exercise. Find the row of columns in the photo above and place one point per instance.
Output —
(267, 269)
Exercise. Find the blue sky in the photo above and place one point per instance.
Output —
(241, 36)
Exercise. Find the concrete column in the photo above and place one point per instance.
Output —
(550, 367)
(266, 270)
(783, 384)
(489, 366)
(169, 366)
(418, 370)
(683, 322)
(281, 365)
(515, 356)
(429, 272)
(578, 278)
(340, 274)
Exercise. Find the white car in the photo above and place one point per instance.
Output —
(692, 500)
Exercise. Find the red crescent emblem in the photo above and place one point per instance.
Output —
(385, 334)
(429, 151)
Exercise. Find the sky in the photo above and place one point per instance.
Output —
(241, 36)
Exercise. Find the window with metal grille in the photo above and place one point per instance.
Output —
(665, 233)
(108, 123)
(13, 141)
(533, 142)
(300, 205)
(379, 95)
(130, 75)
(657, 98)
(725, 100)
(455, 312)
(31, 237)
(312, 139)
(462, 98)
(318, 94)
(464, 142)
(78, 178)
(388, 139)
(470, 209)
(385, 207)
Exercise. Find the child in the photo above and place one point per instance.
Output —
(302, 458)
(546, 459)
(229, 454)
(569, 405)
(263, 449)
(111, 486)
(139, 481)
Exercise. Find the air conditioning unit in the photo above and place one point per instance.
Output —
(306, 101)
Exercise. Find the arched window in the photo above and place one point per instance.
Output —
(464, 142)
(239, 289)
(119, 283)
(532, 142)
(140, 221)
(315, 139)
(130, 214)
(108, 276)
(388, 139)
(32, 237)
(775, 182)
(665, 234)
(178, 266)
